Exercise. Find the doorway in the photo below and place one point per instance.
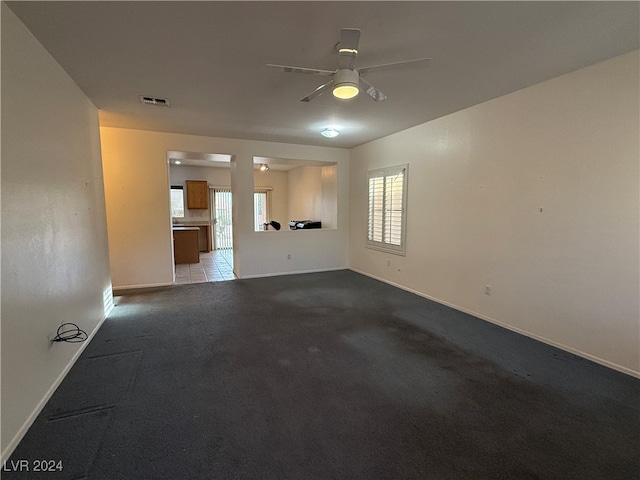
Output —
(222, 224)
(216, 259)
(221, 219)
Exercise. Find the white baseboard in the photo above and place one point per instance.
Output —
(566, 348)
(36, 411)
(297, 272)
(144, 285)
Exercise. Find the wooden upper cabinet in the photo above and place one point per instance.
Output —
(197, 194)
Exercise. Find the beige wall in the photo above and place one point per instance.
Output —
(313, 194)
(136, 185)
(534, 193)
(137, 199)
(305, 193)
(329, 180)
(55, 265)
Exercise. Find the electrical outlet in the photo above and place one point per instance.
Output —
(288, 256)
(388, 262)
(487, 289)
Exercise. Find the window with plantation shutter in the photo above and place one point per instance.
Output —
(387, 209)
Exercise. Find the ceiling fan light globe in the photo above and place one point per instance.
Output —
(345, 91)
(346, 84)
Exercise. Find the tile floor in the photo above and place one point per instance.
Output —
(215, 266)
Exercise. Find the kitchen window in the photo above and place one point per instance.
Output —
(177, 202)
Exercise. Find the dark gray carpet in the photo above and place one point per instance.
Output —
(328, 376)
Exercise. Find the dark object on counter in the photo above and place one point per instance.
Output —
(273, 223)
(304, 224)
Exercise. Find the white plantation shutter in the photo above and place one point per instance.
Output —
(376, 207)
(387, 209)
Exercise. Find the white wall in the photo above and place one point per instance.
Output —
(55, 265)
(534, 193)
(137, 201)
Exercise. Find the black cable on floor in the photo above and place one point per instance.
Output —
(71, 333)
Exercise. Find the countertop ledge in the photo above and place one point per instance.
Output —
(184, 228)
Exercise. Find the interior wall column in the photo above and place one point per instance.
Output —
(242, 206)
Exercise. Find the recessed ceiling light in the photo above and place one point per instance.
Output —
(264, 167)
(330, 132)
(177, 162)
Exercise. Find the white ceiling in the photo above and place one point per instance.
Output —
(208, 59)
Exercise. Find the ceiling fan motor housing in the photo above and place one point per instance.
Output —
(346, 83)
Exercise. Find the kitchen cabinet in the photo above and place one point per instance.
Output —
(204, 234)
(185, 245)
(197, 194)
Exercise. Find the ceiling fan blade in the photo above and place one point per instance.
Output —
(318, 91)
(373, 92)
(417, 63)
(348, 48)
(305, 70)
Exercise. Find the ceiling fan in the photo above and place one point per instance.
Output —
(346, 79)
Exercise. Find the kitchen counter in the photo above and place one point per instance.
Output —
(192, 224)
(184, 229)
(204, 238)
(185, 245)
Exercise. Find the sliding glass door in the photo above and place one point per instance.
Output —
(222, 224)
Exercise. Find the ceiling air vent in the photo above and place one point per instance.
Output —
(161, 102)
